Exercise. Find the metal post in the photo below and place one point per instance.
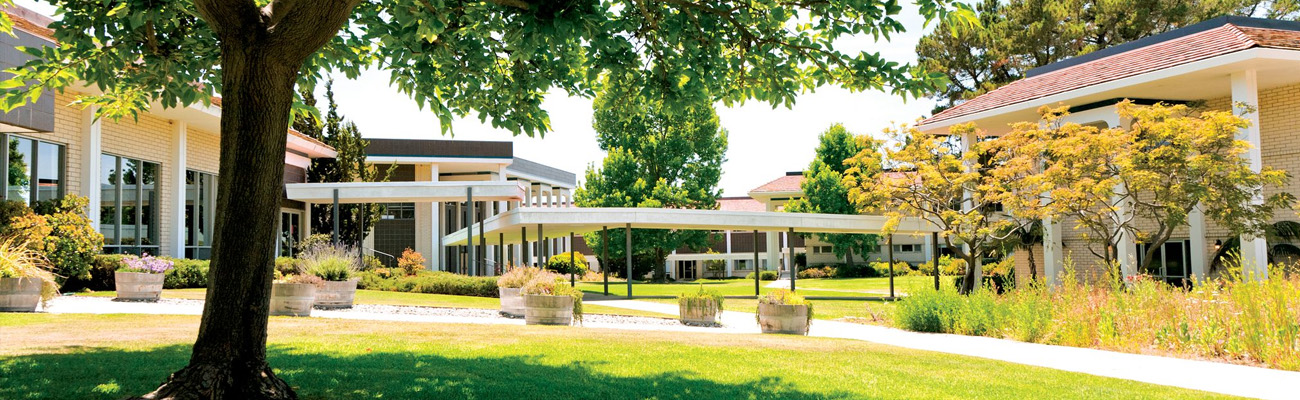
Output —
(891, 265)
(480, 269)
(501, 250)
(523, 245)
(789, 245)
(469, 230)
(604, 256)
(573, 265)
(361, 233)
(334, 235)
(934, 238)
(628, 252)
(541, 247)
(757, 271)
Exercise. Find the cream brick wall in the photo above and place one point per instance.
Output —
(202, 151)
(1279, 120)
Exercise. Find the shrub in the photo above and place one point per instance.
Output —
(764, 276)
(547, 285)
(813, 273)
(335, 263)
(517, 277)
(64, 236)
(286, 265)
(857, 270)
(560, 264)
(187, 274)
(786, 297)
(9, 209)
(411, 261)
(948, 265)
(314, 240)
(433, 282)
(302, 279)
(18, 260)
(882, 268)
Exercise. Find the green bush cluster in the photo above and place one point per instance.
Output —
(560, 264)
(813, 273)
(186, 274)
(433, 282)
(764, 276)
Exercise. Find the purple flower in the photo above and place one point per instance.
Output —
(148, 263)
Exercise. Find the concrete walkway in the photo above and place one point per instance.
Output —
(1237, 380)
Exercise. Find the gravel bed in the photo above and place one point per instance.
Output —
(420, 310)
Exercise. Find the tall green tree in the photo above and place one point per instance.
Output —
(1020, 35)
(349, 166)
(824, 191)
(497, 58)
(662, 152)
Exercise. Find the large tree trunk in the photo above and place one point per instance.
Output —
(229, 357)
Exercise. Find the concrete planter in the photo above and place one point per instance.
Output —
(139, 286)
(19, 294)
(512, 303)
(292, 299)
(337, 294)
(706, 315)
(780, 318)
(548, 310)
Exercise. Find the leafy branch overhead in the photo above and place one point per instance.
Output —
(496, 59)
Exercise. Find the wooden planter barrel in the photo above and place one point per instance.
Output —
(512, 303)
(548, 310)
(292, 299)
(141, 286)
(336, 294)
(706, 315)
(19, 294)
(780, 318)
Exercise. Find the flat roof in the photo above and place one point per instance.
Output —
(403, 192)
(560, 221)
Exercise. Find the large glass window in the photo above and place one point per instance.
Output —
(290, 229)
(129, 205)
(1171, 262)
(200, 204)
(35, 170)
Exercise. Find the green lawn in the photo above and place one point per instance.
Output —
(66, 356)
(412, 299)
(849, 287)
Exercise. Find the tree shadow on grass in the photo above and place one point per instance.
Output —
(108, 373)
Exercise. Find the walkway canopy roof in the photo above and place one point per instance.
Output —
(558, 222)
(404, 192)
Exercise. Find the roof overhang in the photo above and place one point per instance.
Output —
(560, 221)
(1205, 79)
(403, 192)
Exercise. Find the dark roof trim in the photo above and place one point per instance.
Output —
(1202, 26)
(439, 148)
(1114, 101)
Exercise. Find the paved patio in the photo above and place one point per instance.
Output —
(1215, 377)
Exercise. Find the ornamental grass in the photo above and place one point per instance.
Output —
(1254, 322)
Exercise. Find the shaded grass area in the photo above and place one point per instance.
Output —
(111, 356)
(411, 299)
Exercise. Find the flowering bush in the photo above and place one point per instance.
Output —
(63, 235)
(335, 263)
(147, 264)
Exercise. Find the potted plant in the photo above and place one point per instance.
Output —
(336, 266)
(294, 295)
(699, 308)
(547, 301)
(141, 278)
(509, 286)
(25, 280)
(783, 311)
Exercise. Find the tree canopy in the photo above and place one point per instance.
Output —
(662, 153)
(824, 192)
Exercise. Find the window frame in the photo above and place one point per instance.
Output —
(119, 189)
(33, 178)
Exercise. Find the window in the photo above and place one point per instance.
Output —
(35, 170)
(129, 205)
(394, 211)
(907, 248)
(200, 207)
(1172, 261)
(290, 231)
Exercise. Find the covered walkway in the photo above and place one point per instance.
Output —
(512, 227)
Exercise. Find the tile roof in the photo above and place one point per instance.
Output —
(740, 204)
(1177, 48)
(787, 183)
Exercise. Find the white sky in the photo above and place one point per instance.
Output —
(764, 142)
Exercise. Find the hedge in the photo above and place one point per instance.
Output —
(186, 274)
(433, 282)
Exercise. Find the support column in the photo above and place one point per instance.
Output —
(428, 228)
(934, 238)
(890, 242)
(469, 231)
(604, 256)
(757, 275)
(1245, 99)
(176, 246)
(627, 251)
(968, 203)
(541, 247)
(91, 139)
(1125, 246)
(789, 245)
(729, 264)
(773, 249)
(1053, 251)
(1196, 220)
(523, 246)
